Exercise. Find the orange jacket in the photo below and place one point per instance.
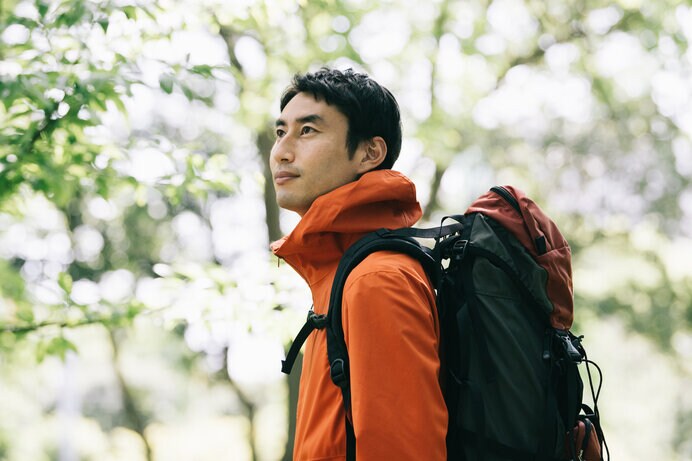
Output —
(390, 327)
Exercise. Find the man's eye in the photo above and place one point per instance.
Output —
(306, 130)
(280, 133)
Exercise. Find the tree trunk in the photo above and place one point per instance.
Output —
(293, 386)
(133, 415)
(433, 202)
(265, 141)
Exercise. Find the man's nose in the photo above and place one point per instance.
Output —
(283, 150)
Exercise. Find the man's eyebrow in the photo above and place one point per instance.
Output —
(312, 118)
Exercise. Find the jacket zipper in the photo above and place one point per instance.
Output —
(507, 195)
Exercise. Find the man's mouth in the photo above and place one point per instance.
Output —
(283, 177)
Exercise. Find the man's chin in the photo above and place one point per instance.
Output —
(291, 205)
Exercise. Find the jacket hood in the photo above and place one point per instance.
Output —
(379, 199)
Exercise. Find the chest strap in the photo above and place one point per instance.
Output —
(314, 321)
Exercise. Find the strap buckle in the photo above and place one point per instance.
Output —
(459, 249)
(318, 321)
(570, 345)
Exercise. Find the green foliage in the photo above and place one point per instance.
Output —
(11, 283)
(66, 75)
(48, 102)
(57, 346)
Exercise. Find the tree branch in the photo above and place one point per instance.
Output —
(15, 329)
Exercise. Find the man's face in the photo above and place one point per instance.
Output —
(310, 156)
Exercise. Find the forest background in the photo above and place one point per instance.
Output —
(141, 314)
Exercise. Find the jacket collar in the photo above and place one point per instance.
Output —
(379, 199)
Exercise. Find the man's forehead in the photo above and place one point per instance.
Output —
(308, 118)
(304, 107)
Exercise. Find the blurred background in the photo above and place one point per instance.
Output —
(142, 316)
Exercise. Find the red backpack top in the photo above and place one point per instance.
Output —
(541, 237)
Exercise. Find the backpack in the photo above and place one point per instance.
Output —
(502, 275)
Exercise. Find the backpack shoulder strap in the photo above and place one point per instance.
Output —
(381, 240)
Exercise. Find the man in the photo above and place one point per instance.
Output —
(337, 137)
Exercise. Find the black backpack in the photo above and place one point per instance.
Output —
(502, 274)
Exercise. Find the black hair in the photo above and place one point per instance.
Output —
(370, 108)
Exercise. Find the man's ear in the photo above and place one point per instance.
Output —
(372, 153)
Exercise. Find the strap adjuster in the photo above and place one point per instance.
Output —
(318, 321)
(337, 371)
(313, 322)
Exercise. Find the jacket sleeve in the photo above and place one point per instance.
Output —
(392, 335)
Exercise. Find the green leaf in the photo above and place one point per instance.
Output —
(41, 352)
(102, 185)
(202, 69)
(65, 282)
(73, 15)
(25, 314)
(166, 83)
(130, 11)
(104, 23)
(99, 102)
(42, 7)
(58, 346)
(133, 310)
(7, 340)
(187, 91)
(120, 105)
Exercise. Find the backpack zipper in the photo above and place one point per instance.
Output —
(507, 195)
